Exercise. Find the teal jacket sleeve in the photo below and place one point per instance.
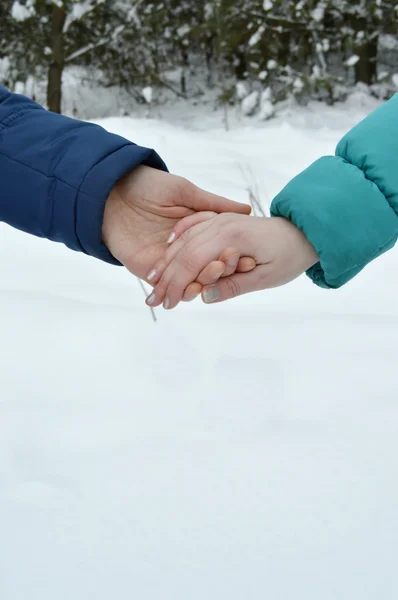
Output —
(347, 204)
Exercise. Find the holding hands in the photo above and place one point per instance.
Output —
(185, 241)
(141, 213)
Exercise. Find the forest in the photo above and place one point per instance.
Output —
(270, 49)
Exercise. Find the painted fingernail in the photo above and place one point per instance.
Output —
(151, 299)
(233, 261)
(191, 298)
(171, 238)
(210, 294)
(151, 275)
(166, 304)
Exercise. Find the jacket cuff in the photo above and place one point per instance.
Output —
(344, 215)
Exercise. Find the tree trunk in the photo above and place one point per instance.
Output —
(366, 50)
(184, 69)
(54, 85)
(366, 67)
(240, 65)
(209, 50)
(284, 47)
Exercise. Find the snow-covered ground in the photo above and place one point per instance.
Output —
(240, 452)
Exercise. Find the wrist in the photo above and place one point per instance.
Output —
(293, 249)
(110, 229)
(309, 254)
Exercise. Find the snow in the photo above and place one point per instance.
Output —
(267, 109)
(78, 10)
(318, 13)
(247, 450)
(352, 61)
(256, 37)
(21, 12)
(388, 42)
(241, 90)
(298, 84)
(183, 30)
(250, 103)
(147, 94)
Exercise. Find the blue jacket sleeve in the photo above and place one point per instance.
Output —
(347, 205)
(56, 173)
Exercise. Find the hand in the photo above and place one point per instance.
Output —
(280, 249)
(143, 209)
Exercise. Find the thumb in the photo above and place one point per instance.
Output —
(236, 285)
(202, 200)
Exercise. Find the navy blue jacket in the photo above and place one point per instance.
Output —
(56, 173)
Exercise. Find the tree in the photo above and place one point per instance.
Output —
(50, 34)
(305, 48)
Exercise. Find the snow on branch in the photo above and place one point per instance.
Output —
(86, 49)
(22, 12)
(281, 21)
(103, 42)
(80, 10)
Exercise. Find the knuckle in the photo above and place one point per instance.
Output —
(162, 285)
(233, 287)
(185, 188)
(230, 229)
(187, 262)
(186, 235)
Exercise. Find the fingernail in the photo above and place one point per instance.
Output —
(166, 304)
(171, 238)
(233, 261)
(210, 294)
(218, 275)
(192, 298)
(151, 275)
(151, 299)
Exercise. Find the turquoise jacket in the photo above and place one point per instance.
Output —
(347, 205)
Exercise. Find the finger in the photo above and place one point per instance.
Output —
(201, 200)
(230, 257)
(184, 224)
(211, 274)
(158, 270)
(192, 292)
(235, 264)
(190, 260)
(245, 265)
(237, 285)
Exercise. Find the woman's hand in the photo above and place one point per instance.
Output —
(279, 248)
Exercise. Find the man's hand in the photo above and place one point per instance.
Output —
(142, 211)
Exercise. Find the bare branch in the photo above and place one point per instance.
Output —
(146, 294)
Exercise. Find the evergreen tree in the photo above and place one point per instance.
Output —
(47, 35)
(278, 48)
